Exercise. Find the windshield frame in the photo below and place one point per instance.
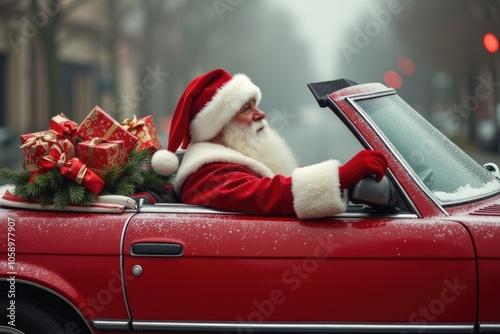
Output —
(352, 100)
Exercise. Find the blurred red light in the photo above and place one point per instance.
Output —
(490, 42)
(406, 65)
(392, 79)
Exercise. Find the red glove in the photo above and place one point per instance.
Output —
(362, 164)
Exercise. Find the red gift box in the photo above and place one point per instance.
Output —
(72, 168)
(99, 124)
(145, 131)
(36, 145)
(100, 155)
(62, 125)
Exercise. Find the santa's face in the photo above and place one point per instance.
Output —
(249, 113)
(257, 140)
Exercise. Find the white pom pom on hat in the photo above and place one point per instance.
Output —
(164, 162)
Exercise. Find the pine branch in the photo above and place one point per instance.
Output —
(76, 192)
(140, 158)
(47, 197)
(88, 198)
(61, 198)
(13, 177)
(154, 182)
(132, 172)
(124, 188)
(22, 191)
(112, 176)
(50, 180)
(33, 190)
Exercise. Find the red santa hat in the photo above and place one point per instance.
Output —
(209, 102)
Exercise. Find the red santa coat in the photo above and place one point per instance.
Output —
(216, 176)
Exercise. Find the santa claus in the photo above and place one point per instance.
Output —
(235, 161)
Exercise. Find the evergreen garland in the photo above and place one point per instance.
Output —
(53, 188)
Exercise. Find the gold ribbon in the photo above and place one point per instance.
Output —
(131, 124)
(62, 156)
(111, 130)
(55, 158)
(81, 174)
(32, 168)
(44, 139)
(41, 139)
(96, 141)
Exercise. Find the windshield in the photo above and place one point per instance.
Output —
(447, 172)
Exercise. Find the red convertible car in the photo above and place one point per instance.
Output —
(417, 252)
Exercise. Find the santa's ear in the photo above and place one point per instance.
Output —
(164, 162)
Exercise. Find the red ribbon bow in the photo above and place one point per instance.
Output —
(71, 168)
(62, 125)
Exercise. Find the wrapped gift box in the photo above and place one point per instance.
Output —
(100, 154)
(36, 145)
(62, 125)
(98, 124)
(145, 131)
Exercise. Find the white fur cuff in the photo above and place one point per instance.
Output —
(316, 190)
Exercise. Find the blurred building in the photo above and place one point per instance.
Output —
(50, 57)
(66, 56)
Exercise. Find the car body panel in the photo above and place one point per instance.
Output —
(37, 231)
(284, 269)
(74, 255)
(489, 291)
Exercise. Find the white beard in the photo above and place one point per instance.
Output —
(265, 146)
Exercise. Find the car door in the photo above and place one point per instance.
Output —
(189, 268)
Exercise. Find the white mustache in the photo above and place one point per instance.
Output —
(259, 125)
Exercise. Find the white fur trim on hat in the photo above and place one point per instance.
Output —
(316, 190)
(228, 100)
(164, 162)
